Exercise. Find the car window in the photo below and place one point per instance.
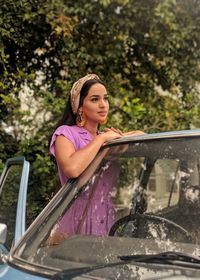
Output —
(9, 199)
(148, 178)
(13, 192)
(163, 185)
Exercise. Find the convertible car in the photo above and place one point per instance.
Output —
(134, 213)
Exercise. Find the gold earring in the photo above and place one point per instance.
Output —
(80, 119)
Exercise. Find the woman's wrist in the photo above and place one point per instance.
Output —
(102, 138)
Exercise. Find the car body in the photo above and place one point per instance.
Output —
(152, 187)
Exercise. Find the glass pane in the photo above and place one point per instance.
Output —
(142, 178)
(163, 186)
(8, 200)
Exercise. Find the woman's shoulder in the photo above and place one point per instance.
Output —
(65, 128)
(68, 130)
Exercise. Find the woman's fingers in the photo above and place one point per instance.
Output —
(133, 132)
(106, 129)
(114, 129)
(117, 130)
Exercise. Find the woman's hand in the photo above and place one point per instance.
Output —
(133, 132)
(110, 134)
(115, 130)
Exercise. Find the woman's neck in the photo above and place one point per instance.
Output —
(92, 129)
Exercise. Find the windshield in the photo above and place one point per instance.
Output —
(136, 198)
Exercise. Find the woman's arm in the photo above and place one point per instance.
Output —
(72, 162)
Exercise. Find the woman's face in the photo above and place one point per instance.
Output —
(95, 105)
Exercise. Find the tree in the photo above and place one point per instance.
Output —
(146, 51)
(33, 34)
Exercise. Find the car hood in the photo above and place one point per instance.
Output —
(119, 272)
(92, 257)
(133, 271)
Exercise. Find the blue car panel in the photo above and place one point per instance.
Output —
(9, 273)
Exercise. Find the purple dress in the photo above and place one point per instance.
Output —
(98, 207)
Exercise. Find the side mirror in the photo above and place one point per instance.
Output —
(3, 233)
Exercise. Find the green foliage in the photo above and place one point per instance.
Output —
(147, 52)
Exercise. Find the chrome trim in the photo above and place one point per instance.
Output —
(152, 136)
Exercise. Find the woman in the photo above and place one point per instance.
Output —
(75, 143)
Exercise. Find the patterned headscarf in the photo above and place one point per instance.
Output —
(76, 89)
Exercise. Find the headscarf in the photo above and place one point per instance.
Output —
(76, 89)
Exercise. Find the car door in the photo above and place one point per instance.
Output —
(13, 193)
